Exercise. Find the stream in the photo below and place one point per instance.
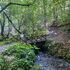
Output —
(47, 62)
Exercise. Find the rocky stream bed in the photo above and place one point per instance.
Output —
(48, 62)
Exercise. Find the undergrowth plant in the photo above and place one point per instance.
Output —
(18, 57)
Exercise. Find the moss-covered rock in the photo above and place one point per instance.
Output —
(58, 49)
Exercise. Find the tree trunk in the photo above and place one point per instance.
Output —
(3, 26)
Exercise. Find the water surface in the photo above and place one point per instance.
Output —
(46, 62)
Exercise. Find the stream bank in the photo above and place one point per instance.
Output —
(50, 56)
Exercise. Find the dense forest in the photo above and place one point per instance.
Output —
(34, 34)
(31, 17)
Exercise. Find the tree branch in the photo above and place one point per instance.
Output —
(5, 7)
(20, 4)
(13, 4)
(63, 25)
(16, 4)
(11, 23)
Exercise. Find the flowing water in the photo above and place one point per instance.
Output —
(46, 62)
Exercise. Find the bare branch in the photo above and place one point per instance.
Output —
(20, 4)
(59, 26)
(13, 4)
(11, 23)
(64, 25)
(5, 7)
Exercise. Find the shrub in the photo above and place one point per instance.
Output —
(19, 57)
(3, 64)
